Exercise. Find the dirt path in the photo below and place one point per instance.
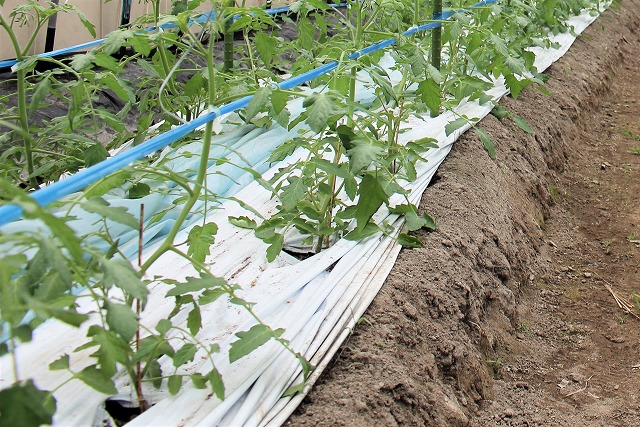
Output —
(504, 318)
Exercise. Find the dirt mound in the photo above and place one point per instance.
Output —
(503, 317)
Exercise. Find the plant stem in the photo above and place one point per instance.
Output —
(228, 40)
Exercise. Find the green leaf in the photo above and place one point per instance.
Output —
(276, 243)
(87, 24)
(115, 40)
(195, 85)
(59, 364)
(279, 100)
(372, 196)
(25, 405)
(258, 101)
(243, 222)
(195, 284)
(266, 46)
(154, 372)
(118, 214)
(293, 193)
(120, 273)
(522, 124)
(515, 85)
(119, 87)
(409, 241)
(43, 88)
(199, 381)
(122, 320)
(487, 142)
(139, 190)
(94, 154)
(23, 332)
(110, 182)
(106, 62)
(215, 379)
(163, 326)
(250, 340)
(111, 349)
(294, 389)
(362, 154)
(500, 112)
(174, 383)
(194, 320)
(210, 295)
(455, 125)
(184, 354)
(429, 92)
(82, 60)
(140, 43)
(320, 107)
(97, 380)
(200, 240)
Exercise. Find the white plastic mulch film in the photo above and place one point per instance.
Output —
(317, 301)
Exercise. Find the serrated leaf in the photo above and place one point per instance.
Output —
(118, 86)
(320, 107)
(455, 125)
(106, 61)
(250, 340)
(94, 154)
(120, 273)
(499, 112)
(97, 380)
(487, 142)
(372, 196)
(26, 405)
(174, 384)
(257, 103)
(117, 214)
(409, 241)
(210, 295)
(163, 326)
(200, 240)
(115, 40)
(194, 320)
(43, 88)
(184, 354)
(266, 46)
(243, 222)
(429, 92)
(59, 364)
(279, 100)
(110, 182)
(362, 154)
(154, 372)
(199, 381)
(522, 124)
(276, 243)
(139, 190)
(111, 349)
(195, 85)
(293, 193)
(140, 43)
(122, 320)
(293, 390)
(195, 284)
(217, 385)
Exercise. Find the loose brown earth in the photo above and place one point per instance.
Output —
(504, 317)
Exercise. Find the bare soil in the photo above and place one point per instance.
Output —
(507, 316)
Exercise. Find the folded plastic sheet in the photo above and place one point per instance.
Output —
(317, 300)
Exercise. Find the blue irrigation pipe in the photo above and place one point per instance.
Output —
(85, 177)
(198, 20)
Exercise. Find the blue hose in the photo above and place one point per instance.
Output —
(85, 177)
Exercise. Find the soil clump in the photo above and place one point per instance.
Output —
(507, 316)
